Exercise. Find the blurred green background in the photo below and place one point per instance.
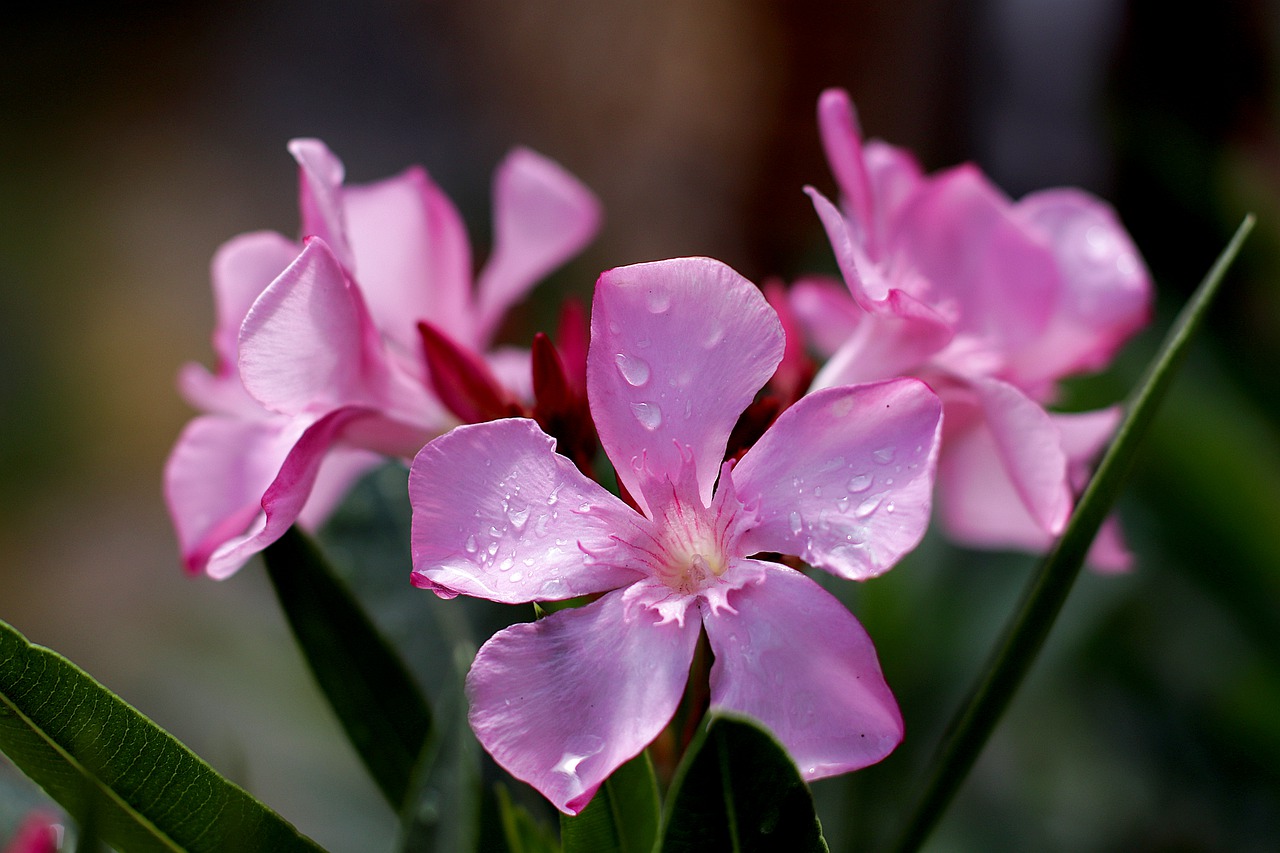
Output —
(136, 137)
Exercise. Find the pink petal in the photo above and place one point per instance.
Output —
(563, 702)
(1106, 290)
(339, 471)
(542, 217)
(234, 486)
(412, 258)
(241, 269)
(220, 393)
(842, 142)
(284, 499)
(307, 343)
(864, 278)
(898, 338)
(960, 233)
(894, 176)
(843, 478)
(39, 832)
(498, 514)
(215, 478)
(1084, 435)
(791, 656)
(320, 175)
(826, 311)
(678, 350)
(1003, 469)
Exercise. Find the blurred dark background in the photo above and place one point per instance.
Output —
(136, 137)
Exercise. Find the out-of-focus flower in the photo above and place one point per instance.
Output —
(39, 832)
(320, 369)
(842, 479)
(991, 302)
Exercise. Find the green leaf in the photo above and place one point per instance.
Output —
(1025, 634)
(621, 818)
(89, 749)
(737, 790)
(364, 679)
(522, 833)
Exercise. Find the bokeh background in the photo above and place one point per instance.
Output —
(136, 137)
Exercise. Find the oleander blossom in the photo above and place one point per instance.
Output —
(990, 301)
(842, 479)
(320, 371)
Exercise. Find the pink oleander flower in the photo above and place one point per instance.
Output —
(320, 371)
(40, 832)
(990, 301)
(842, 479)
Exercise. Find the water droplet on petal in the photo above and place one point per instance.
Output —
(633, 369)
(506, 564)
(843, 504)
(648, 414)
(492, 549)
(471, 545)
(658, 300)
(516, 577)
(860, 483)
(868, 506)
(518, 517)
(796, 524)
(817, 491)
(884, 455)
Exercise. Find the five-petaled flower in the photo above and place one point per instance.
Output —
(842, 479)
(320, 365)
(990, 301)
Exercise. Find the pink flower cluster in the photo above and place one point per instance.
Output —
(959, 314)
(991, 302)
(320, 368)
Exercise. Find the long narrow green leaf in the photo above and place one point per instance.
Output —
(737, 790)
(521, 832)
(379, 705)
(1025, 635)
(89, 749)
(621, 818)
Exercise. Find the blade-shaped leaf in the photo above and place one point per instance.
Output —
(1026, 632)
(83, 745)
(737, 790)
(362, 676)
(623, 815)
(520, 830)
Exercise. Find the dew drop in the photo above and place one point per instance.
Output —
(868, 506)
(643, 343)
(714, 337)
(884, 455)
(817, 491)
(860, 483)
(633, 369)
(492, 549)
(796, 525)
(648, 414)
(516, 577)
(888, 507)
(657, 301)
(832, 464)
(506, 565)
(471, 545)
(518, 517)
(843, 504)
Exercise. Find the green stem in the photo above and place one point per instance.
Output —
(1023, 637)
